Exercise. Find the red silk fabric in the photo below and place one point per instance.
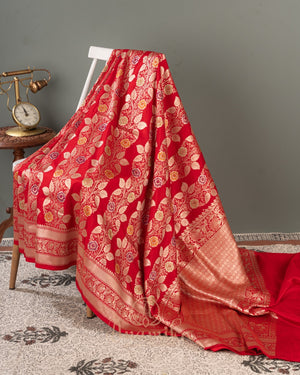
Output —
(123, 192)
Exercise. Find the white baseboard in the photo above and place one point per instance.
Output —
(7, 242)
(276, 237)
(239, 237)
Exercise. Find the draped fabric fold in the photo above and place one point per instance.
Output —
(123, 192)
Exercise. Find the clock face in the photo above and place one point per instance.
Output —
(26, 115)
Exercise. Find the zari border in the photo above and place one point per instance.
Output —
(101, 291)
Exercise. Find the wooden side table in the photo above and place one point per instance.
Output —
(18, 144)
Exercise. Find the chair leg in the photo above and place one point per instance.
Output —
(89, 313)
(14, 270)
(14, 266)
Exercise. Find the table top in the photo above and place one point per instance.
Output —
(9, 142)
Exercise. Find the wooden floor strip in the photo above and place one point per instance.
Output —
(240, 243)
(267, 242)
(5, 248)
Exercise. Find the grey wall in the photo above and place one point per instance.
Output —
(236, 66)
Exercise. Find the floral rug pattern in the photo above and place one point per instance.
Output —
(263, 365)
(106, 366)
(44, 280)
(58, 339)
(4, 257)
(33, 335)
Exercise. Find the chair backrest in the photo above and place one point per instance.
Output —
(95, 53)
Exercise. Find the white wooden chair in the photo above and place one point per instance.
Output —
(96, 54)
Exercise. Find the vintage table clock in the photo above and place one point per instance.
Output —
(25, 114)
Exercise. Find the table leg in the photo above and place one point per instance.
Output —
(18, 153)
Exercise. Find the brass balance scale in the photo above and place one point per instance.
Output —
(25, 114)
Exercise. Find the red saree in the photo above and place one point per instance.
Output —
(124, 193)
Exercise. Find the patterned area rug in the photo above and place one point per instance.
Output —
(43, 330)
